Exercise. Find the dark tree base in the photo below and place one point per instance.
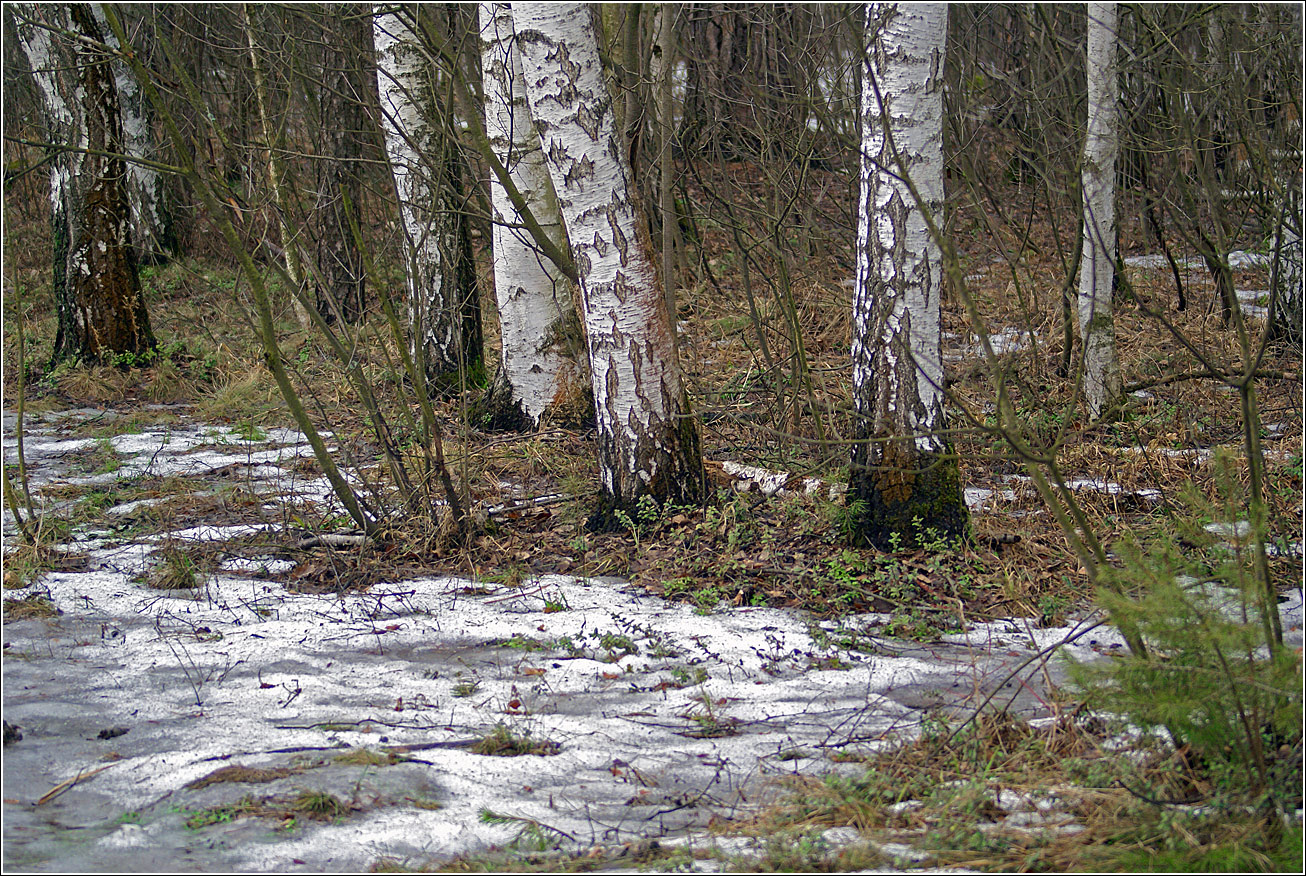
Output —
(904, 501)
(496, 411)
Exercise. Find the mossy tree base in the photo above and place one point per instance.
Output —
(676, 476)
(906, 498)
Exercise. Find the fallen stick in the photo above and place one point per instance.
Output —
(68, 783)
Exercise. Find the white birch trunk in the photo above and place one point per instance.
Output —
(902, 468)
(101, 311)
(648, 444)
(1098, 181)
(539, 331)
(146, 191)
(405, 81)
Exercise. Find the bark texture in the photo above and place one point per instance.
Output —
(342, 282)
(429, 174)
(101, 312)
(1097, 269)
(147, 191)
(543, 373)
(648, 443)
(904, 477)
(1286, 316)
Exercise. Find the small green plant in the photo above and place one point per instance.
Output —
(684, 676)
(522, 643)
(532, 835)
(465, 688)
(319, 805)
(248, 431)
(501, 741)
(617, 645)
(176, 570)
(109, 461)
(221, 814)
(1217, 674)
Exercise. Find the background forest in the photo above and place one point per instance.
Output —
(322, 198)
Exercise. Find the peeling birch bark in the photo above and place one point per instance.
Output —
(147, 191)
(444, 312)
(543, 369)
(648, 442)
(101, 311)
(1098, 181)
(904, 475)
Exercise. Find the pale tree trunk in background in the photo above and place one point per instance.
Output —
(543, 346)
(152, 234)
(904, 476)
(661, 63)
(444, 311)
(1286, 316)
(1097, 268)
(648, 442)
(97, 291)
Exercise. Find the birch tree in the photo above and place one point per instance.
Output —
(147, 192)
(97, 290)
(443, 308)
(904, 478)
(648, 442)
(1098, 183)
(543, 366)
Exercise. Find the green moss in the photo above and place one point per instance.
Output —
(907, 499)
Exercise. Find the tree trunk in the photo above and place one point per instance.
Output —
(1097, 268)
(341, 282)
(648, 442)
(543, 369)
(101, 312)
(147, 192)
(1286, 314)
(904, 478)
(428, 169)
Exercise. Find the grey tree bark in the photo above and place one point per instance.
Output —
(648, 441)
(1102, 387)
(429, 174)
(147, 190)
(101, 312)
(904, 478)
(341, 287)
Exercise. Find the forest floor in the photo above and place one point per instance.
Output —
(1169, 468)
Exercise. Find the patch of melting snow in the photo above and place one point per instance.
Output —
(129, 507)
(1238, 530)
(256, 565)
(206, 532)
(271, 670)
(978, 497)
(664, 717)
(1238, 260)
(1097, 485)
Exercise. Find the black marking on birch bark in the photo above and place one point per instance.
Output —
(557, 153)
(588, 120)
(600, 245)
(619, 239)
(580, 170)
